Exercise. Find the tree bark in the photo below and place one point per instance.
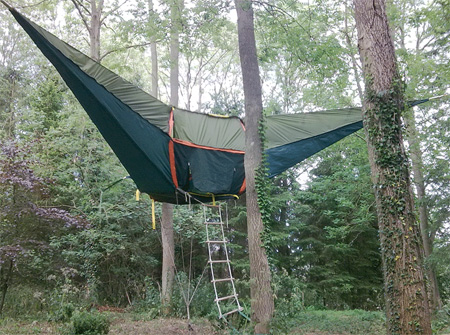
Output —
(94, 31)
(407, 310)
(168, 258)
(175, 18)
(260, 290)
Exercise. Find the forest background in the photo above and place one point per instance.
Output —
(69, 240)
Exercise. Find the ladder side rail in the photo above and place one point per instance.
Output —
(229, 264)
(211, 266)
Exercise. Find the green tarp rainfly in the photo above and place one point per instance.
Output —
(166, 149)
(209, 130)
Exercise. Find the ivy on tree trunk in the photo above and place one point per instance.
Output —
(260, 289)
(407, 310)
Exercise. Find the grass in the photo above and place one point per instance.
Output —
(332, 322)
(309, 322)
(14, 327)
(122, 324)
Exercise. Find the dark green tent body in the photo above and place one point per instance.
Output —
(166, 149)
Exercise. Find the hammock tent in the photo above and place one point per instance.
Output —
(166, 149)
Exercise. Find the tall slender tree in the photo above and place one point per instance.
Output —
(154, 57)
(260, 289)
(419, 181)
(91, 14)
(168, 244)
(407, 307)
(403, 11)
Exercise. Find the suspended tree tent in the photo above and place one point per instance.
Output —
(166, 149)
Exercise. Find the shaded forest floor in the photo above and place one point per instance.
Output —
(121, 325)
(307, 323)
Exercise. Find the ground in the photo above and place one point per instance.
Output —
(121, 325)
(307, 323)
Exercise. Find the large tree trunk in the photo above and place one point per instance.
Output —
(168, 270)
(260, 290)
(417, 167)
(407, 308)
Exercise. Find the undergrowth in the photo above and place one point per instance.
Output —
(330, 322)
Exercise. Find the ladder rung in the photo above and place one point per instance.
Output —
(216, 241)
(214, 223)
(221, 280)
(227, 297)
(211, 206)
(233, 311)
(220, 261)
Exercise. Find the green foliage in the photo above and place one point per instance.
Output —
(441, 260)
(299, 48)
(290, 293)
(323, 238)
(150, 304)
(441, 320)
(333, 241)
(334, 322)
(46, 102)
(90, 323)
(63, 314)
(24, 301)
(263, 186)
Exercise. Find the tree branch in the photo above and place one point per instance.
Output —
(78, 5)
(126, 48)
(111, 11)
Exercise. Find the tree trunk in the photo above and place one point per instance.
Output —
(407, 310)
(5, 278)
(350, 47)
(417, 167)
(260, 290)
(175, 18)
(200, 88)
(168, 244)
(10, 125)
(167, 238)
(94, 31)
(92, 20)
(168, 258)
(154, 57)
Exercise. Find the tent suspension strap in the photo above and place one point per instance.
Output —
(153, 214)
(191, 195)
(138, 198)
(439, 96)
